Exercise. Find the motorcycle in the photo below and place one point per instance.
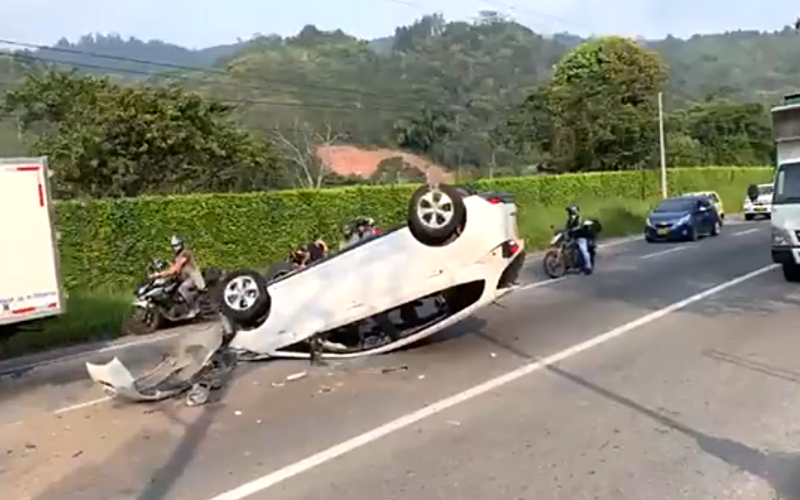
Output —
(157, 302)
(564, 256)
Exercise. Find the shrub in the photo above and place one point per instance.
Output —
(105, 244)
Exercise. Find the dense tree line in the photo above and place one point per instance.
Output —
(490, 97)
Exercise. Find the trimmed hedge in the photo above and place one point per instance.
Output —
(106, 244)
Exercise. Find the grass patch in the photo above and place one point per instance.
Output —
(619, 217)
(89, 317)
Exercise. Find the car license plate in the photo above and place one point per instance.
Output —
(761, 209)
(662, 231)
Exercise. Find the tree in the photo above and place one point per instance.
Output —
(423, 133)
(108, 140)
(598, 111)
(301, 145)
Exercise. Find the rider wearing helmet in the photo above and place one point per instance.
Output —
(582, 235)
(185, 267)
(358, 229)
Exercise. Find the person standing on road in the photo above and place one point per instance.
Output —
(185, 267)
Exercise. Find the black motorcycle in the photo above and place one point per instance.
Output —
(158, 304)
(564, 256)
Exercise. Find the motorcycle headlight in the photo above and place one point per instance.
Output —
(684, 220)
(780, 237)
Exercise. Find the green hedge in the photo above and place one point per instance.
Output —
(105, 244)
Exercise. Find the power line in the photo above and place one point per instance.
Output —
(357, 108)
(210, 71)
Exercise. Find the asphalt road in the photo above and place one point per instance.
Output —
(657, 377)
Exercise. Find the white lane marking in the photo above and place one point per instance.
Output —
(78, 406)
(662, 252)
(306, 464)
(537, 284)
(747, 231)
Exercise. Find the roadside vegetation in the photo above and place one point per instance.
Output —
(224, 146)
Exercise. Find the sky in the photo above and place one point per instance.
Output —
(203, 23)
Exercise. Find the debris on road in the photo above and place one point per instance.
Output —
(395, 369)
(296, 376)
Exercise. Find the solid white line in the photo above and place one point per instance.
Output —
(662, 252)
(748, 231)
(289, 471)
(537, 284)
(78, 406)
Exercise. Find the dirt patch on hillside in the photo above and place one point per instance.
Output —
(351, 160)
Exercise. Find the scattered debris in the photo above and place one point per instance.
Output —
(494, 354)
(454, 422)
(296, 376)
(258, 421)
(30, 446)
(278, 384)
(237, 412)
(77, 454)
(395, 369)
(420, 377)
(325, 389)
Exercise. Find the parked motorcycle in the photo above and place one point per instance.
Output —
(563, 256)
(157, 302)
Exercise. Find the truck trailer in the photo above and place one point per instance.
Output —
(30, 278)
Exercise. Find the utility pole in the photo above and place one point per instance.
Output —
(661, 144)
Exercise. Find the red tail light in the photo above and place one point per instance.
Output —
(494, 201)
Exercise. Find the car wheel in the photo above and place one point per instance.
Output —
(791, 272)
(748, 216)
(436, 214)
(244, 297)
(716, 229)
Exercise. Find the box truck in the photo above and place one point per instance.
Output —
(30, 280)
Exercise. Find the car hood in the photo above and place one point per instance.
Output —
(671, 217)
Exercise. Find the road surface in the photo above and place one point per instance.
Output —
(669, 374)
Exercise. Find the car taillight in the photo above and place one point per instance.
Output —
(494, 201)
(510, 249)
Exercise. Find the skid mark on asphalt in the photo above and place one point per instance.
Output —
(271, 479)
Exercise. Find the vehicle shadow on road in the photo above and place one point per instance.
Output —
(133, 471)
(780, 469)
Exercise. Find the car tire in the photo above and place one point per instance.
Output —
(243, 297)
(791, 272)
(748, 216)
(716, 228)
(649, 239)
(554, 265)
(436, 214)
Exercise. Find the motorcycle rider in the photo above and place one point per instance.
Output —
(185, 267)
(582, 234)
(358, 229)
(312, 252)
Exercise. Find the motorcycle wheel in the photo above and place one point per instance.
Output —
(554, 265)
(142, 322)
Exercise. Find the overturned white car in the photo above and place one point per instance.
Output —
(458, 252)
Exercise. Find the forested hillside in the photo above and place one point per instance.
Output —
(455, 92)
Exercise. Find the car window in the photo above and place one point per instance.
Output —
(764, 190)
(676, 205)
(787, 184)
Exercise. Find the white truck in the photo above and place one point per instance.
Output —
(30, 280)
